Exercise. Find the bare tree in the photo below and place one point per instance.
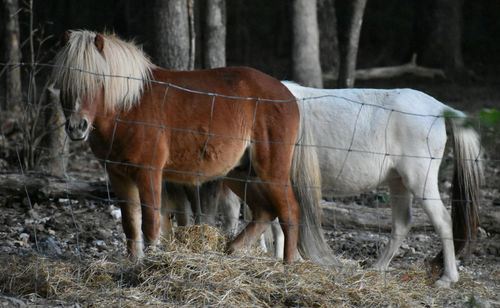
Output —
(171, 34)
(13, 56)
(306, 68)
(350, 52)
(328, 42)
(53, 157)
(439, 34)
(215, 34)
(192, 34)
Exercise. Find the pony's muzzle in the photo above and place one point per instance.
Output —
(77, 128)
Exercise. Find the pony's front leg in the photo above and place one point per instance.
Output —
(128, 199)
(149, 186)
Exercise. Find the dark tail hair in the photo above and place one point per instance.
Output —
(467, 178)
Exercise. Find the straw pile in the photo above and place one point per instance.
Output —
(191, 270)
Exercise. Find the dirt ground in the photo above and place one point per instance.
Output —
(89, 227)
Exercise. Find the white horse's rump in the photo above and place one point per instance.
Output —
(366, 137)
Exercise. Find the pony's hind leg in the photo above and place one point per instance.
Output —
(401, 201)
(128, 198)
(261, 216)
(289, 214)
(441, 220)
(268, 201)
(425, 186)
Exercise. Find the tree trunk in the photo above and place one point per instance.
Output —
(329, 43)
(171, 34)
(192, 35)
(439, 34)
(54, 152)
(350, 51)
(215, 34)
(13, 88)
(306, 68)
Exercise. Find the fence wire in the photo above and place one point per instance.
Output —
(76, 204)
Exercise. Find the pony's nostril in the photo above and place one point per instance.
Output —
(84, 124)
(68, 126)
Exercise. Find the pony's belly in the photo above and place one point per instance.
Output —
(213, 160)
(352, 173)
(346, 186)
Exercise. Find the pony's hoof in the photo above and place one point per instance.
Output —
(442, 283)
(446, 281)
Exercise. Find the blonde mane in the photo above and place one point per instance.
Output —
(122, 69)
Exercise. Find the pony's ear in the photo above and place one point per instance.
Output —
(99, 42)
(65, 38)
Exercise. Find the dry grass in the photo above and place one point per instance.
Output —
(191, 270)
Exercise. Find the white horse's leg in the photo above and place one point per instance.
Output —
(424, 184)
(262, 241)
(401, 200)
(279, 239)
(167, 227)
(175, 201)
(441, 220)
(229, 206)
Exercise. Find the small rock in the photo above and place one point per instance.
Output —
(99, 243)
(422, 237)
(482, 233)
(24, 237)
(50, 247)
(33, 214)
(116, 214)
(19, 243)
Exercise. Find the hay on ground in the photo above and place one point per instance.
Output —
(191, 269)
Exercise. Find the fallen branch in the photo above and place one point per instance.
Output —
(398, 70)
(353, 216)
(42, 186)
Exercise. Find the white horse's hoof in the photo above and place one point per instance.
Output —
(381, 269)
(442, 283)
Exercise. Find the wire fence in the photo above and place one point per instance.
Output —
(88, 241)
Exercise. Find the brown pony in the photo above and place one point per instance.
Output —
(148, 124)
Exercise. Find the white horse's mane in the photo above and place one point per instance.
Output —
(122, 69)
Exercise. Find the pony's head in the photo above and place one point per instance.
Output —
(98, 75)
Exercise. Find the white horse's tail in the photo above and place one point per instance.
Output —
(467, 178)
(306, 181)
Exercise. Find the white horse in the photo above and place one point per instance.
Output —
(364, 138)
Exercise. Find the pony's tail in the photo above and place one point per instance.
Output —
(467, 178)
(306, 182)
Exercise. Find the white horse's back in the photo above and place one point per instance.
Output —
(364, 136)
